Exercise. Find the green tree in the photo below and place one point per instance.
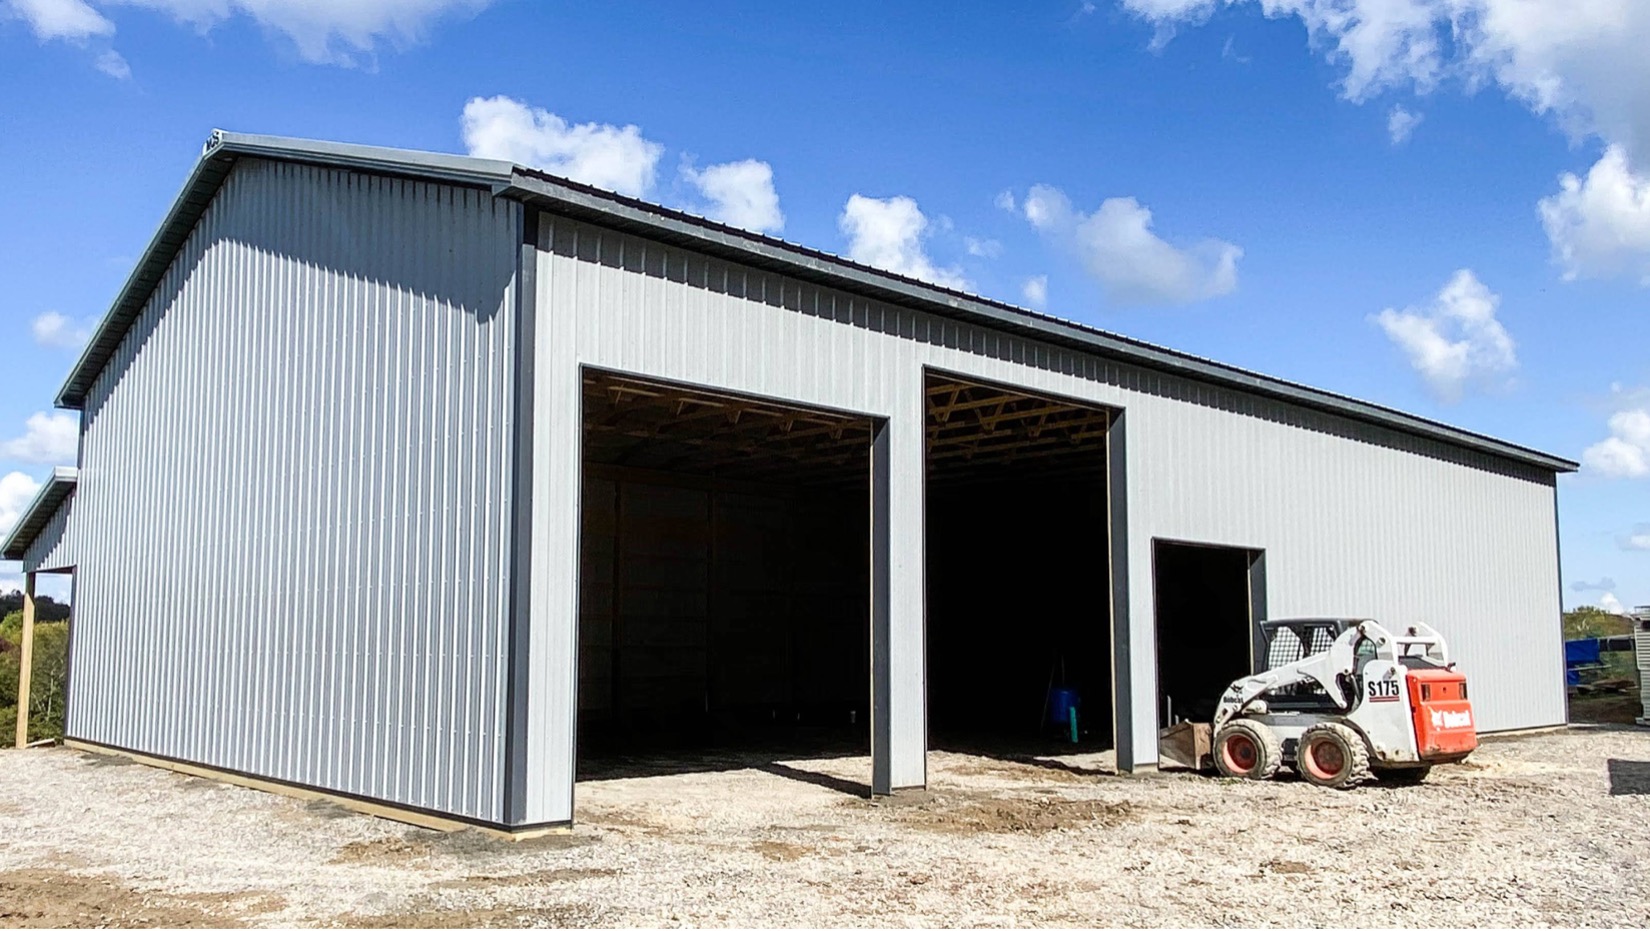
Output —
(50, 669)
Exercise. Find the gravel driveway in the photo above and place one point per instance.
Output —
(1544, 829)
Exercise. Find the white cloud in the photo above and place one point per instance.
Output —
(74, 20)
(17, 491)
(324, 31)
(1457, 341)
(740, 194)
(1580, 62)
(1600, 225)
(1380, 42)
(1636, 539)
(598, 154)
(1035, 291)
(52, 439)
(1400, 124)
(111, 63)
(1005, 201)
(1119, 249)
(1626, 452)
(982, 248)
(889, 234)
(56, 331)
(1611, 603)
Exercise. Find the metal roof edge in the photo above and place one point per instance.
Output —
(507, 179)
(47, 500)
(217, 157)
(156, 257)
(441, 166)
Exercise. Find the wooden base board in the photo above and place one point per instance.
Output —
(378, 810)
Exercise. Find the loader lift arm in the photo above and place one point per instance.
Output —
(1324, 668)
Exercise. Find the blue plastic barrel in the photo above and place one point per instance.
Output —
(1060, 704)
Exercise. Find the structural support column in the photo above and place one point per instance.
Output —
(899, 712)
(25, 670)
(1122, 657)
(554, 429)
(519, 639)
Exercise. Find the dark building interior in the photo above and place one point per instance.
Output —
(1018, 570)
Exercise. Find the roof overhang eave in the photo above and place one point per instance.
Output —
(39, 513)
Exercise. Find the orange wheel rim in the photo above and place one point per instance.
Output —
(1324, 759)
(1240, 753)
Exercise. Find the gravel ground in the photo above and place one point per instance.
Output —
(1543, 829)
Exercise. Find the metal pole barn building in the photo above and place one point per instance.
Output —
(405, 478)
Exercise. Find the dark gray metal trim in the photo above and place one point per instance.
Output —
(1558, 653)
(1257, 609)
(68, 652)
(882, 668)
(614, 211)
(1122, 643)
(520, 626)
(40, 512)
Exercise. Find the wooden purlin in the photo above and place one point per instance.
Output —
(703, 431)
(973, 428)
(970, 428)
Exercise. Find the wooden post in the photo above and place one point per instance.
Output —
(26, 664)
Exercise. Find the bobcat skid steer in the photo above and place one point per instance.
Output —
(1343, 701)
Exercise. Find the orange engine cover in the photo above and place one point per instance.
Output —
(1444, 728)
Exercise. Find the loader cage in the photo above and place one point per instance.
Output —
(1290, 641)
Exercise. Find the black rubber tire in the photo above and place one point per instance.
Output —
(1408, 776)
(1248, 741)
(1333, 756)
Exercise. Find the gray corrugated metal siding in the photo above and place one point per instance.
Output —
(1356, 519)
(296, 473)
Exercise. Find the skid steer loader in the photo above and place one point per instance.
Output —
(1342, 701)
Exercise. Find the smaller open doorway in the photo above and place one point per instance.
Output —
(1209, 601)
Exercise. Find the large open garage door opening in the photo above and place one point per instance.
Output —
(724, 580)
(1018, 573)
(1209, 600)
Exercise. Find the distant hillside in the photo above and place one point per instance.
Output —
(46, 608)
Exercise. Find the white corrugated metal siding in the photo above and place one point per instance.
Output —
(293, 557)
(1355, 520)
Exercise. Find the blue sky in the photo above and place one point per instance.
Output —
(1298, 194)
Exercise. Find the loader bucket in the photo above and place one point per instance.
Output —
(1186, 745)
